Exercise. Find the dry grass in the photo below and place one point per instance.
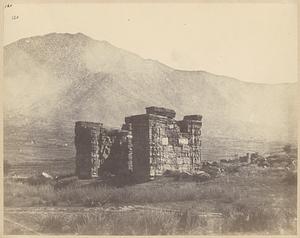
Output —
(243, 218)
(143, 223)
(160, 191)
(96, 195)
(239, 219)
(253, 201)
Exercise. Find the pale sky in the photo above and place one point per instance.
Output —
(255, 42)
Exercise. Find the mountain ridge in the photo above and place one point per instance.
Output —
(147, 59)
(69, 77)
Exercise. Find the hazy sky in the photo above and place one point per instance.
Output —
(254, 42)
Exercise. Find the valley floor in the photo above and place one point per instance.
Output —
(250, 200)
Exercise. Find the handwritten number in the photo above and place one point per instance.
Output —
(14, 17)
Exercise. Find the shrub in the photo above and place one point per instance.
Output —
(232, 169)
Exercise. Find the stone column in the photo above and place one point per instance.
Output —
(87, 149)
(192, 124)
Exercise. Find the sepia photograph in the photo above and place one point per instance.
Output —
(150, 118)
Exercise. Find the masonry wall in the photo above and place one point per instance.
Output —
(87, 148)
(161, 143)
(99, 151)
(140, 146)
(146, 146)
(119, 159)
(173, 148)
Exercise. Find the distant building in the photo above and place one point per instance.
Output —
(146, 146)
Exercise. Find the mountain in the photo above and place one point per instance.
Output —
(56, 79)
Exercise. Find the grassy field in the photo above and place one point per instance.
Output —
(247, 200)
(253, 200)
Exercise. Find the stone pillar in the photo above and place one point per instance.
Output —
(129, 147)
(139, 147)
(192, 125)
(87, 149)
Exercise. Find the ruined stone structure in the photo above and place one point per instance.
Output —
(99, 150)
(146, 146)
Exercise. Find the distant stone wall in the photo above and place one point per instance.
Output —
(146, 146)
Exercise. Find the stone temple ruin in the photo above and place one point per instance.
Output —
(146, 146)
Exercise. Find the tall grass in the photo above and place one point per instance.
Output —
(22, 194)
(243, 218)
(240, 219)
(88, 196)
(253, 203)
(131, 223)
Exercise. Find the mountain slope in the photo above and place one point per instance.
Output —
(57, 79)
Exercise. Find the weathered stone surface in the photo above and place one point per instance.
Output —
(87, 148)
(147, 145)
(193, 117)
(161, 111)
(160, 144)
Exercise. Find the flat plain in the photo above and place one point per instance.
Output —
(241, 199)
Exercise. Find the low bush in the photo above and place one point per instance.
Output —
(232, 169)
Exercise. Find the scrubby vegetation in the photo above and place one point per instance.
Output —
(246, 219)
(249, 198)
(76, 195)
(131, 223)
